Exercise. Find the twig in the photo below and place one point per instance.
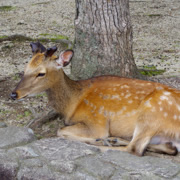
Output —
(37, 122)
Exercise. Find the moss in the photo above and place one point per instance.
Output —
(151, 72)
(6, 8)
(63, 40)
(54, 37)
(41, 3)
(16, 77)
(38, 136)
(154, 15)
(27, 113)
(150, 67)
(2, 37)
(41, 95)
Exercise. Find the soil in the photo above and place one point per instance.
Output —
(156, 39)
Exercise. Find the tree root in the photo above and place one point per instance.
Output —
(38, 122)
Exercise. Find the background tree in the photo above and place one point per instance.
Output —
(103, 39)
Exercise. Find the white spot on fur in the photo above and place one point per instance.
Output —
(115, 97)
(159, 88)
(91, 104)
(111, 114)
(161, 109)
(163, 98)
(127, 95)
(124, 86)
(175, 117)
(136, 97)
(101, 109)
(105, 113)
(165, 114)
(178, 107)
(160, 102)
(166, 93)
(124, 108)
(106, 96)
(130, 101)
(148, 104)
(170, 102)
(86, 101)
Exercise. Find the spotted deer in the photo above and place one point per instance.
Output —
(127, 114)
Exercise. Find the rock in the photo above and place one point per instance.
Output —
(147, 165)
(57, 158)
(8, 166)
(15, 136)
(3, 124)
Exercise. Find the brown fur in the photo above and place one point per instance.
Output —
(108, 106)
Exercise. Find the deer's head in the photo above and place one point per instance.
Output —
(42, 70)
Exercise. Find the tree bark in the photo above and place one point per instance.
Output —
(103, 39)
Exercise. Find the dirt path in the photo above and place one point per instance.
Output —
(156, 44)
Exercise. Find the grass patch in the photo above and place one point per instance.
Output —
(6, 8)
(41, 3)
(16, 77)
(27, 113)
(54, 37)
(2, 37)
(41, 95)
(151, 71)
(63, 40)
(154, 15)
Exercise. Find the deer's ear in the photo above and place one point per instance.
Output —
(65, 58)
(37, 47)
(50, 51)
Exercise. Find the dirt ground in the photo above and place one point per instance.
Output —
(156, 26)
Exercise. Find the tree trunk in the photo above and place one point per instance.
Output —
(103, 39)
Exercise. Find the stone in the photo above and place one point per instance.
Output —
(57, 158)
(12, 136)
(96, 167)
(162, 168)
(8, 166)
(3, 124)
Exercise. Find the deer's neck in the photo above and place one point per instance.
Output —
(63, 92)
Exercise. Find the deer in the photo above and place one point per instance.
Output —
(110, 112)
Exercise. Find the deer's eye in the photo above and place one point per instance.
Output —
(40, 75)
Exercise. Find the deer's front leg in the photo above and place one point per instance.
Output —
(83, 133)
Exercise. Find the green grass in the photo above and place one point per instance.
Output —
(2, 37)
(16, 77)
(154, 15)
(53, 37)
(41, 95)
(6, 8)
(151, 71)
(27, 113)
(41, 3)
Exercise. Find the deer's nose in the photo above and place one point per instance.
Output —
(14, 95)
